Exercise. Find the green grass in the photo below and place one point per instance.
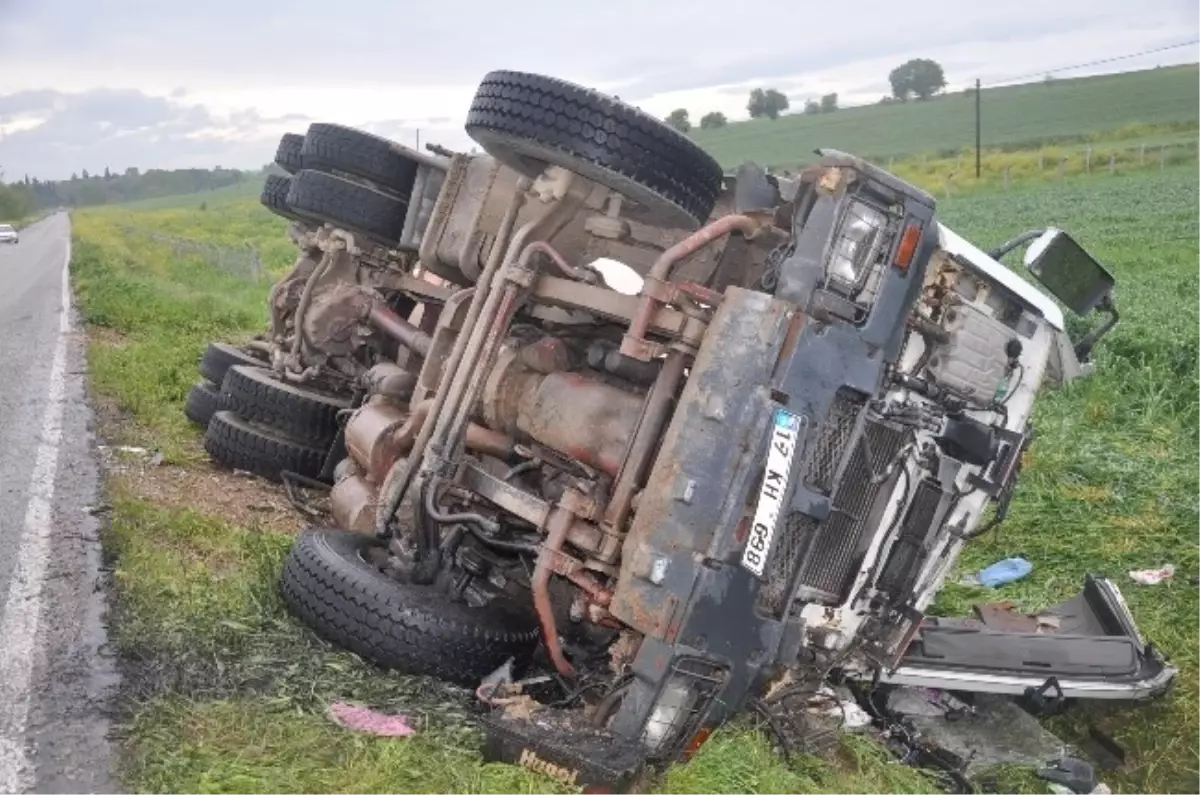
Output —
(224, 693)
(1032, 114)
(160, 313)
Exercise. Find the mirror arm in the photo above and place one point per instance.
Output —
(1083, 349)
(1020, 240)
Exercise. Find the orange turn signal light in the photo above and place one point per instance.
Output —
(907, 248)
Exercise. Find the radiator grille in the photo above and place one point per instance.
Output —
(829, 446)
(908, 551)
(828, 567)
(790, 544)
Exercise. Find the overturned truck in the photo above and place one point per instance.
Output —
(585, 402)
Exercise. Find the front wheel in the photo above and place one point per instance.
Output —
(333, 582)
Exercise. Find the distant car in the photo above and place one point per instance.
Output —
(8, 234)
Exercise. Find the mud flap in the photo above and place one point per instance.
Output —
(1085, 648)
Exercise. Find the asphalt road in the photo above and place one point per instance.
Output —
(56, 680)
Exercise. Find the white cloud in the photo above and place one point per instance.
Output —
(223, 79)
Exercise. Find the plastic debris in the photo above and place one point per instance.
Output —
(1152, 576)
(365, 719)
(1004, 572)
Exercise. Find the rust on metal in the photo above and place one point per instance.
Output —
(635, 343)
(558, 524)
(398, 328)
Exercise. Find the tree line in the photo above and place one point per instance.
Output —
(919, 78)
(26, 196)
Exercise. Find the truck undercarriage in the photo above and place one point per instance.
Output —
(588, 405)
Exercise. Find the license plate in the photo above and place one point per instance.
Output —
(784, 434)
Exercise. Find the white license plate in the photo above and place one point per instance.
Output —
(784, 435)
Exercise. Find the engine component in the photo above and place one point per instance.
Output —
(579, 416)
(968, 440)
(351, 502)
(972, 363)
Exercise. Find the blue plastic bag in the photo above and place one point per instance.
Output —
(1004, 572)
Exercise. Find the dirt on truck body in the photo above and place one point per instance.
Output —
(586, 404)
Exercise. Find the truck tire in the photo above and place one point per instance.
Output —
(274, 196)
(202, 402)
(235, 443)
(526, 121)
(306, 415)
(334, 148)
(220, 356)
(329, 585)
(356, 208)
(287, 154)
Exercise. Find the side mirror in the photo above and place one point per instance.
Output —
(1071, 274)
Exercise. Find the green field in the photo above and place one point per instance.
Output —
(1026, 115)
(224, 693)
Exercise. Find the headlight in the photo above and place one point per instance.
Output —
(856, 247)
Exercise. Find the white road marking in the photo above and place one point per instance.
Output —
(22, 611)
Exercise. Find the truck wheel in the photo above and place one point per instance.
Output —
(274, 196)
(306, 415)
(219, 357)
(332, 147)
(237, 444)
(331, 584)
(526, 121)
(287, 155)
(202, 402)
(357, 208)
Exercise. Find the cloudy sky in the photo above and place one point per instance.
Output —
(117, 83)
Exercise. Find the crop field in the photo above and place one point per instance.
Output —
(224, 693)
(1027, 115)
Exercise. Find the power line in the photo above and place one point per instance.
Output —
(1093, 63)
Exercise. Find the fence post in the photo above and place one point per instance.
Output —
(1007, 176)
(890, 160)
(1112, 164)
(1088, 162)
(1062, 167)
(1142, 156)
(1162, 158)
(1041, 161)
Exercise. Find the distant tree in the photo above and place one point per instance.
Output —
(1049, 79)
(84, 174)
(919, 77)
(203, 206)
(829, 103)
(713, 120)
(75, 177)
(132, 171)
(767, 103)
(678, 119)
(107, 173)
(812, 107)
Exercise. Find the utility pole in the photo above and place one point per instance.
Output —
(978, 130)
(418, 139)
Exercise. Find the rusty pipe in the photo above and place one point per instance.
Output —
(399, 329)
(557, 525)
(495, 320)
(399, 476)
(637, 457)
(660, 272)
(573, 271)
(596, 592)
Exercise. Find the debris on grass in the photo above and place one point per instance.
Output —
(1004, 572)
(1152, 576)
(365, 719)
